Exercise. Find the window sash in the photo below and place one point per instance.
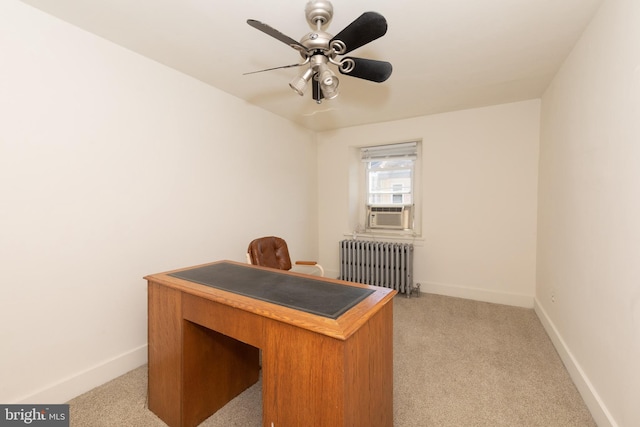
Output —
(406, 150)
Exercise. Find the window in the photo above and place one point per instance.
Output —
(390, 172)
(389, 181)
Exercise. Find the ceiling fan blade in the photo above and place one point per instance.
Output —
(368, 27)
(276, 34)
(368, 69)
(275, 68)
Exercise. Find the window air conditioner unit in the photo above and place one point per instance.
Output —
(394, 217)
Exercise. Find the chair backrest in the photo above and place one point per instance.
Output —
(271, 252)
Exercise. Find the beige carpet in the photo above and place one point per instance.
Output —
(457, 363)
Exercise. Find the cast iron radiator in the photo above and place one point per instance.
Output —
(389, 265)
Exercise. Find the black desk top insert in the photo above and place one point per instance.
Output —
(311, 295)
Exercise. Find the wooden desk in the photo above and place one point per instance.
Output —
(316, 371)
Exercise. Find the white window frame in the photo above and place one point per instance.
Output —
(404, 150)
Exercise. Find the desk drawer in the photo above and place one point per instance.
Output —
(232, 322)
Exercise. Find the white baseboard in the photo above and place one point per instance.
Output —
(81, 382)
(598, 410)
(477, 294)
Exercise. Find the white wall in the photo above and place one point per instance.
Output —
(479, 189)
(588, 275)
(113, 167)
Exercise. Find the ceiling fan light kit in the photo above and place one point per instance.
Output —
(319, 49)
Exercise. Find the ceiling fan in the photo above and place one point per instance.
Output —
(319, 48)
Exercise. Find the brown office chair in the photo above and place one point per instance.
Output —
(272, 252)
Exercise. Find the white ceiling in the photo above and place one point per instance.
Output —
(446, 54)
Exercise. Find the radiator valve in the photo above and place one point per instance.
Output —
(415, 289)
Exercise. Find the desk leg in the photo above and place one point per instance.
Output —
(310, 379)
(165, 353)
(300, 378)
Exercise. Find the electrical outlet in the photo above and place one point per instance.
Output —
(553, 297)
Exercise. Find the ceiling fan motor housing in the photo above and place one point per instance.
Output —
(316, 40)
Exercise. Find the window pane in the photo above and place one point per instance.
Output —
(390, 181)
